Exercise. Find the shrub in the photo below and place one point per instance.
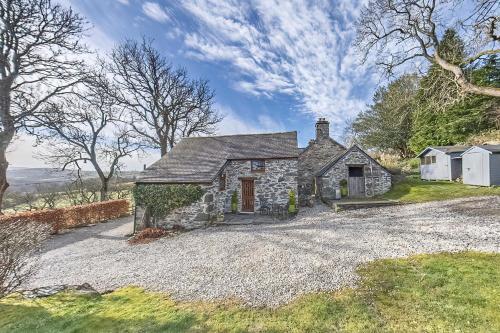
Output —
(234, 202)
(18, 242)
(74, 216)
(292, 203)
(343, 188)
(162, 199)
(149, 234)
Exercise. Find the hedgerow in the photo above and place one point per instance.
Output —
(73, 216)
(164, 198)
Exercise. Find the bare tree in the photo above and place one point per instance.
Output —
(165, 104)
(37, 41)
(18, 242)
(88, 128)
(401, 31)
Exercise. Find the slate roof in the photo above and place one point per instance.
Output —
(449, 150)
(199, 159)
(337, 158)
(495, 149)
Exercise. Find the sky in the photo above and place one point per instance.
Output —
(274, 65)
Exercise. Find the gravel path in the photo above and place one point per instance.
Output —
(268, 264)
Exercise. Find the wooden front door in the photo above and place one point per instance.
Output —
(356, 181)
(247, 195)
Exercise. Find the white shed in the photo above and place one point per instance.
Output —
(481, 165)
(441, 162)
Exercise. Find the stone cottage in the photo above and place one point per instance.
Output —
(262, 169)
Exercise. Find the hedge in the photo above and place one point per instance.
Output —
(164, 198)
(73, 216)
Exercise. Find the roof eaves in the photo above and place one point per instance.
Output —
(329, 165)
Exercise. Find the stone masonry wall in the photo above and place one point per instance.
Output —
(377, 179)
(271, 186)
(196, 215)
(318, 153)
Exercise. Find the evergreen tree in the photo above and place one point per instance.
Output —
(386, 124)
(438, 119)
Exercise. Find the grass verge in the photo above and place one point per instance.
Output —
(412, 189)
(441, 292)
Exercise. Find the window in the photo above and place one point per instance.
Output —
(422, 160)
(355, 171)
(427, 160)
(433, 159)
(222, 182)
(258, 165)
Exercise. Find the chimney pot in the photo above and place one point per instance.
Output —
(322, 129)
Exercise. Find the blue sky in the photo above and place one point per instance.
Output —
(275, 65)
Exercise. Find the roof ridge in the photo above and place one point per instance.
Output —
(230, 135)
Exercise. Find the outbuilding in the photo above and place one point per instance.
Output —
(441, 162)
(481, 165)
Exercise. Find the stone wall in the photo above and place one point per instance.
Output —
(196, 215)
(271, 186)
(377, 179)
(317, 154)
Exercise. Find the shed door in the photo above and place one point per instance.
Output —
(356, 181)
(474, 169)
(247, 195)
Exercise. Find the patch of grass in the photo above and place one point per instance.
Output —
(412, 189)
(441, 292)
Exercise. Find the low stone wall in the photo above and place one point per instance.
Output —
(196, 215)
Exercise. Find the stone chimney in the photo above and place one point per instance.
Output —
(322, 129)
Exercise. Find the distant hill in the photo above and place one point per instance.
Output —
(28, 179)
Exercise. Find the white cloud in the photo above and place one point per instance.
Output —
(234, 124)
(296, 47)
(155, 11)
(124, 2)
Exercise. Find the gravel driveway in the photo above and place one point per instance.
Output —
(268, 264)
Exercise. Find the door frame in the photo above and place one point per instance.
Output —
(252, 209)
(360, 195)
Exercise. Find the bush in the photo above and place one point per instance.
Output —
(18, 242)
(234, 202)
(162, 199)
(343, 188)
(149, 234)
(292, 207)
(74, 216)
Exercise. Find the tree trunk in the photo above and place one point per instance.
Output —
(163, 149)
(104, 189)
(6, 134)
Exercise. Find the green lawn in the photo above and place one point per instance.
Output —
(426, 293)
(412, 189)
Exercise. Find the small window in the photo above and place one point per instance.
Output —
(422, 160)
(433, 159)
(258, 165)
(427, 160)
(356, 171)
(222, 182)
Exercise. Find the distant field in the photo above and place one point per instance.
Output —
(33, 188)
(30, 179)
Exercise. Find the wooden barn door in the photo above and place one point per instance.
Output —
(247, 195)
(356, 181)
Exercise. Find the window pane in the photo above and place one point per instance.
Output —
(258, 165)
(433, 159)
(222, 182)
